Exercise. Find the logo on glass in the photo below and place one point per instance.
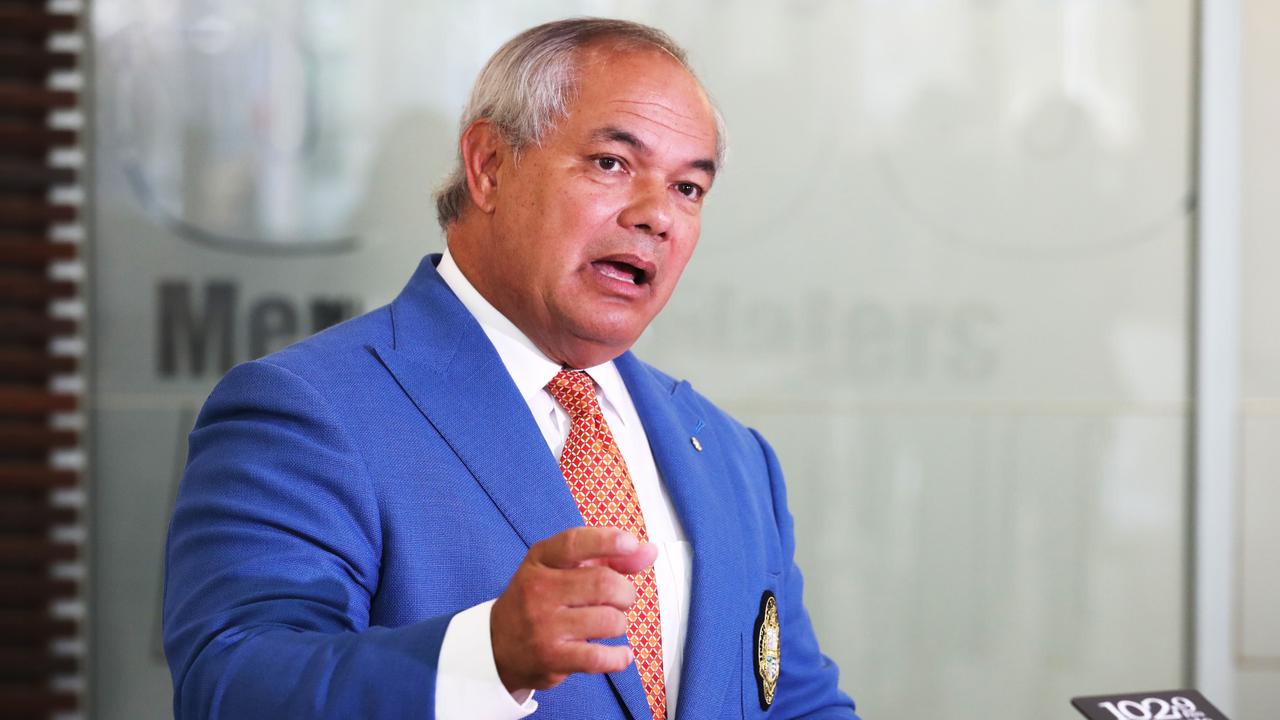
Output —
(239, 124)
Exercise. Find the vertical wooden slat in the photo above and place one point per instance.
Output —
(30, 548)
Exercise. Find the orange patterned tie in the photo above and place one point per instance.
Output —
(597, 475)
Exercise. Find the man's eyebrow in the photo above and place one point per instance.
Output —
(706, 166)
(613, 134)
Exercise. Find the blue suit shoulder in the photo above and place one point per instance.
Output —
(322, 357)
(275, 549)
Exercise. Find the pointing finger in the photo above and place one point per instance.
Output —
(573, 547)
(634, 562)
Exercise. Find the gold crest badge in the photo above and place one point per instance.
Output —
(768, 649)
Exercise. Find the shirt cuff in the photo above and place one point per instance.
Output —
(467, 682)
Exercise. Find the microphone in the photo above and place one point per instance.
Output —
(1158, 705)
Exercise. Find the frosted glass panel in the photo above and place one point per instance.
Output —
(945, 273)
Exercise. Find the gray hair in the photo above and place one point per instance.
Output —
(525, 89)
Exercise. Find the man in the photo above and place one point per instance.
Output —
(475, 502)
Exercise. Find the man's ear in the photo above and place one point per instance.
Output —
(483, 150)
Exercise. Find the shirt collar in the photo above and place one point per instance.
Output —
(528, 366)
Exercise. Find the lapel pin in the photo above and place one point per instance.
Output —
(696, 445)
(768, 649)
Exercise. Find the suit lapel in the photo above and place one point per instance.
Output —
(446, 365)
(704, 503)
(441, 358)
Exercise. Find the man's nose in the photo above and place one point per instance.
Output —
(649, 212)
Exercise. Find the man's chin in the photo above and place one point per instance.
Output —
(595, 346)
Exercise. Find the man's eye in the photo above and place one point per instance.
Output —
(689, 190)
(608, 164)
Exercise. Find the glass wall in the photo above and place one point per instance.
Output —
(1257, 642)
(945, 272)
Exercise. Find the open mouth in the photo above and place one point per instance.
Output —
(628, 270)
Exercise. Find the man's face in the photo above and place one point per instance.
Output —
(590, 230)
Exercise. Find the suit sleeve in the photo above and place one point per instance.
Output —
(808, 684)
(271, 563)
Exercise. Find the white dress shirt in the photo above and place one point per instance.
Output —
(467, 683)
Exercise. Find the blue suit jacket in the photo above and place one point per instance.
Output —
(343, 498)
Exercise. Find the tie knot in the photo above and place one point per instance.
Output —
(575, 392)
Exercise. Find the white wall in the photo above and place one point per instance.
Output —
(1257, 624)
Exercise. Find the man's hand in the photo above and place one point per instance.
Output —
(571, 588)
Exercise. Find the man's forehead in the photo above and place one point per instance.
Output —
(639, 76)
(644, 91)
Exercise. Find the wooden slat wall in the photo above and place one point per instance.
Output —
(41, 462)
